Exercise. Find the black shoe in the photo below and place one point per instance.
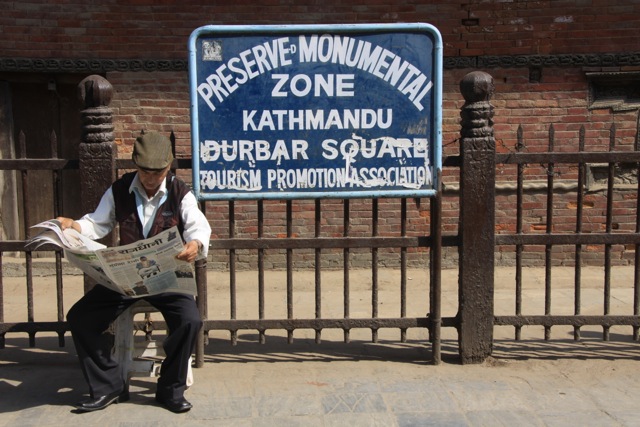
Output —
(177, 406)
(101, 402)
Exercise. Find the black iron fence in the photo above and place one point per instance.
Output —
(475, 240)
(259, 246)
(620, 200)
(24, 166)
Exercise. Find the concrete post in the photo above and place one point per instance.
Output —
(477, 219)
(97, 151)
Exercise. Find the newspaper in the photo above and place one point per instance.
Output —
(146, 267)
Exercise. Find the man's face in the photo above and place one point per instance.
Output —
(151, 179)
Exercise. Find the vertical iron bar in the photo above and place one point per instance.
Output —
(608, 227)
(58, 254)
(27, 221)
(403, 268)
(201, 285)
(548, 248)
(53, 139)
(201, 300)
(582, 168)
(519, 247)
(436, 271)
(262, 337)
(374, 268)
(232, 271)
(636, 265)
(318, 268)
(2, 340)
(204, 308)
(289, 271)
(345, 268)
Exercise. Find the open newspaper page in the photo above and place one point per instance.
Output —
(91, 265)
(78, 249)
(149, 266)
(68, 238)
(146, 267)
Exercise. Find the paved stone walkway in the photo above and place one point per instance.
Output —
(564, 384)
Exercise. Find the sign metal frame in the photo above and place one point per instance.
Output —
(435, 128)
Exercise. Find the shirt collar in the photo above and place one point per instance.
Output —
(136, 186)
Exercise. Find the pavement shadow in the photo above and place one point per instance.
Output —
(278, 349)
(31, 377)
(588, 348)
(50, 375)
(43, 375)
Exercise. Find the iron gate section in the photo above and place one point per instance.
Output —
(24, 165)
(430, 321)
(580, 238)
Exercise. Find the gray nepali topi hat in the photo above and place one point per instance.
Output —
(152, 151)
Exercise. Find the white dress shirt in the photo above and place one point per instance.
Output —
(98, 224)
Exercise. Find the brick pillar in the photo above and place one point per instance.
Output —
(477, 219)
(97, 151)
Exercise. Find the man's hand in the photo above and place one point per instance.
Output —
(68, 223)
(190, 251)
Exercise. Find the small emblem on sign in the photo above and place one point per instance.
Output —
(211, 51)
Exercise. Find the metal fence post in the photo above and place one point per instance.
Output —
(477, 219)
(97, 151)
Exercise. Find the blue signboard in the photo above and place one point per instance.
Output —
(315, 111)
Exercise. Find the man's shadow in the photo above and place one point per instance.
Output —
(31, 377)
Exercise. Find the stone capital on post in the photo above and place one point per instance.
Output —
(97, 151)
(477, 219)
(477, 86)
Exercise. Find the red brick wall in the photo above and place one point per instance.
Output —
(159, 100)
(160, 29)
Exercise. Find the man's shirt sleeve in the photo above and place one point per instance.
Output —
(196, 226)
(98, 224)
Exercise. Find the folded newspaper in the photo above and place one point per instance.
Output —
(146, 267)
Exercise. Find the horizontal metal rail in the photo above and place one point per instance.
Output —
(568, 320)
(314, 324)
(33, 327)
(519, 158)
(568, 239)
(38, 164)
(327, 242)
(575, 157)
(292, 243)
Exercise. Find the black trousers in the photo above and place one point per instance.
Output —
(91, 316)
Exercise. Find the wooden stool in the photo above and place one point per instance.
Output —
(139, 358)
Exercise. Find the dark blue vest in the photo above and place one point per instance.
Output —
(167, 216)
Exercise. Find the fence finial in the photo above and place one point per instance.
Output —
(95, 91)
(477, 86)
